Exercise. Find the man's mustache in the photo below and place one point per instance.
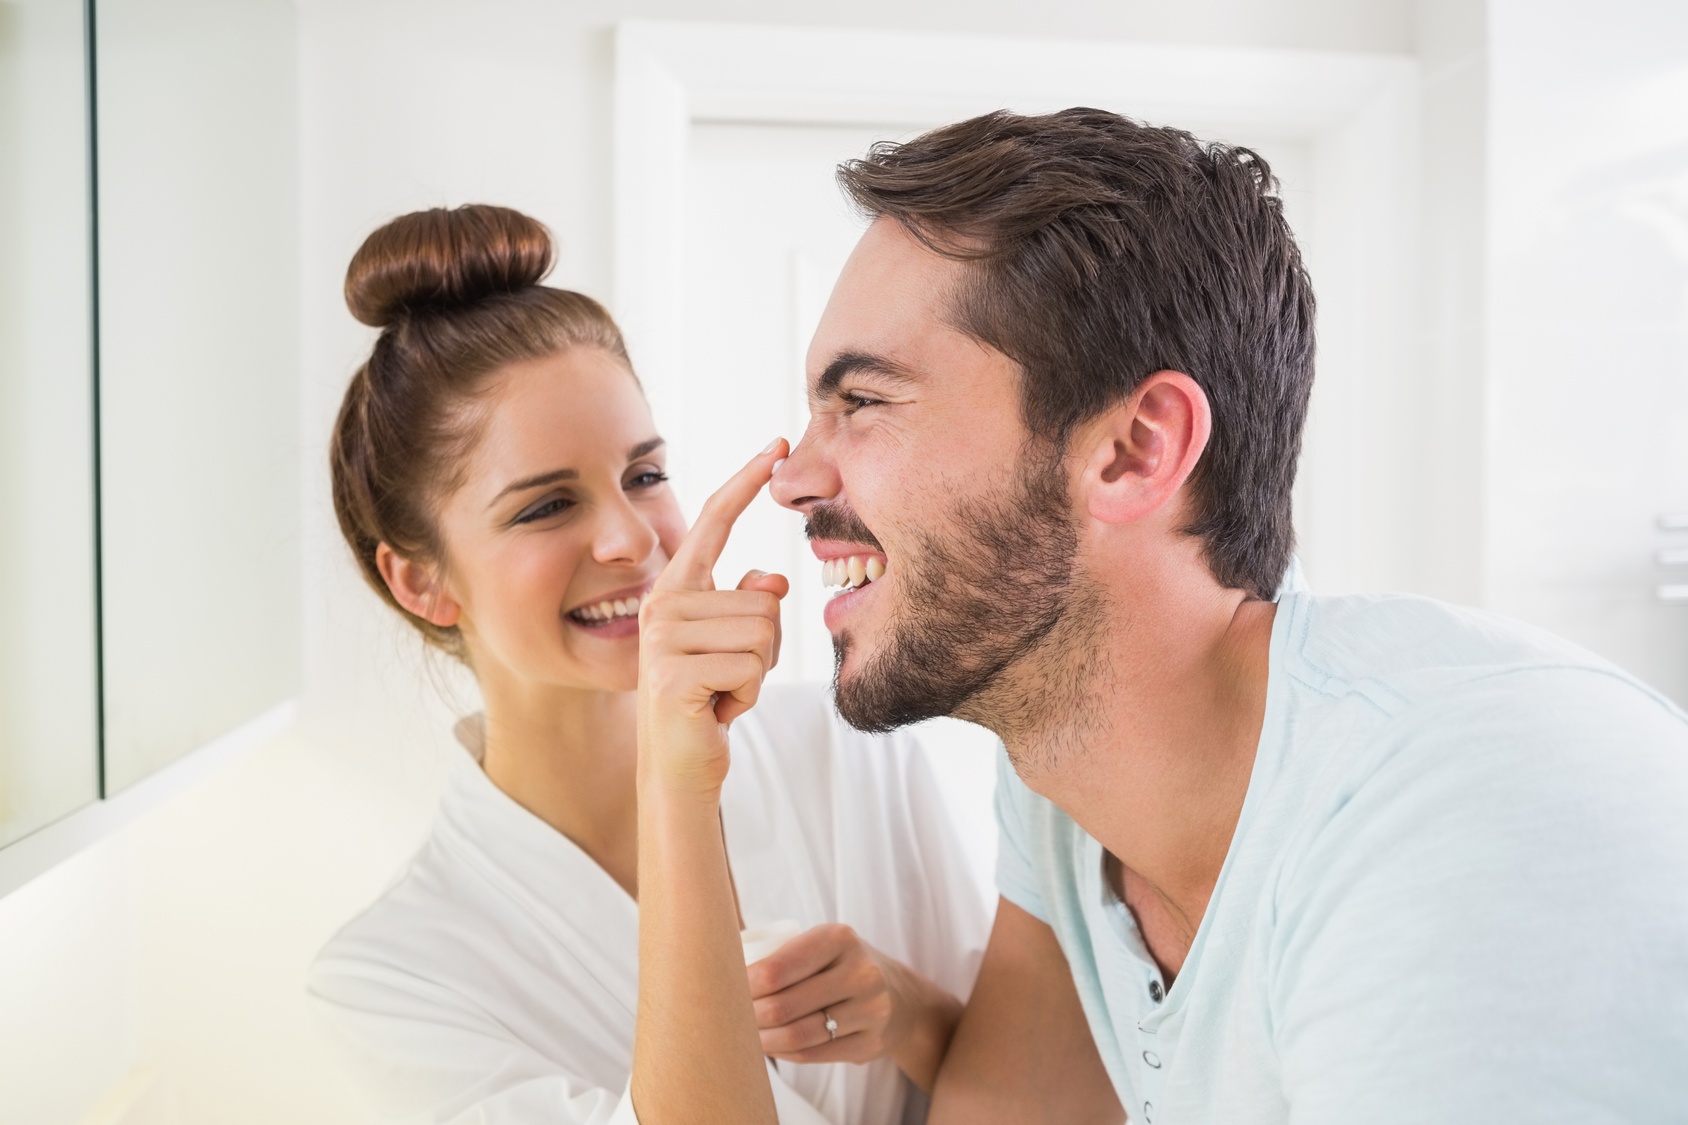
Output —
(835, 520)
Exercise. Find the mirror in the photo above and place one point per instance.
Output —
(199, 376)
(49, 749)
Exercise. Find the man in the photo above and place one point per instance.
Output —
(1324, 860)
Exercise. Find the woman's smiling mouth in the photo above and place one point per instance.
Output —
(611, 615)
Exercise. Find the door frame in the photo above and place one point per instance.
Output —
(1359, 114)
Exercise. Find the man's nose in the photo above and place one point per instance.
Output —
(806, 477)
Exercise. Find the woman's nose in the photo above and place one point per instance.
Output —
(806, 477)
(623, 536)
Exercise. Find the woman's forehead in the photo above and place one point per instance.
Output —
(582, 402)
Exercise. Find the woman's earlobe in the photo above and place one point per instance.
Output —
(441, 610)
(416, 587)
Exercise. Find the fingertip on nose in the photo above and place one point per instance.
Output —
(783, 485)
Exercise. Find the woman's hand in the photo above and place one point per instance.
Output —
(702, 655)
(881, 1006)
(703, 652)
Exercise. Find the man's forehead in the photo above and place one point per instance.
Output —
(892, 293)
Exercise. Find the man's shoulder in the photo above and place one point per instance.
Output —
(1463, 706)
(1403, 652)
(1491, 749)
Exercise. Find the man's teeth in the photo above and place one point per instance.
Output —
(852, 572)
(609, 610)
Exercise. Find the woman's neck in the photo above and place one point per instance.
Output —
(569, 757)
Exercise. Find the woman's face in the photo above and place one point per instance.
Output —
(562, 522)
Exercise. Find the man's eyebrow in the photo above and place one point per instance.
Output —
(649, 445)
(849, 363)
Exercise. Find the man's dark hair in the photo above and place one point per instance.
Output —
(1100, 251)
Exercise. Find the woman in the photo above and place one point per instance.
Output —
(500, 482)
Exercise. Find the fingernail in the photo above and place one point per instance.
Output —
(778, 463)
(758, 573)
(773, 445)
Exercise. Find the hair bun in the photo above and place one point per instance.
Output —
(440, 257)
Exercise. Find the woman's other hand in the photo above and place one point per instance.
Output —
(880, 1006)
(703, 652)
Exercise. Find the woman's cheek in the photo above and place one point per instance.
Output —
(540, 580)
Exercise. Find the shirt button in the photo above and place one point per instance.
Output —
(1156, 992)
(1152, 1059)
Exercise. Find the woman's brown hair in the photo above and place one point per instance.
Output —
(456, 295)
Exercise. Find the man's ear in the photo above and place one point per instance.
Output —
(416, 587)
(1142, 451)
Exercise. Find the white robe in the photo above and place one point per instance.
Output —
(495, 981)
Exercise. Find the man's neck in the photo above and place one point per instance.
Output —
(1153, 756)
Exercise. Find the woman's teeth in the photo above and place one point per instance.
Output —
(608, 610)
(853, 572)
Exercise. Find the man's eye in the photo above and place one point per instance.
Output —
(555, 506)
(854, 402)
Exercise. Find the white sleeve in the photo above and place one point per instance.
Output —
(422, 1058)
(1491, 925)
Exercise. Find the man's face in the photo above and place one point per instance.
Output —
(917, 473)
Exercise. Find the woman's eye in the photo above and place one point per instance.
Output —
(648, 479)
(552, 507)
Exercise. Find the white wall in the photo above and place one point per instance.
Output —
(49, 754)
(198, 336)
(199, 920)
(1448, 533)
(1588, 322)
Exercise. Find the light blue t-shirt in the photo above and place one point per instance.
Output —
(1457, 892)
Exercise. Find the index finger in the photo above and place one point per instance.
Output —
(693, 565)
(797, 960)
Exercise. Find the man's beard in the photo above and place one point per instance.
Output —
(971, 605)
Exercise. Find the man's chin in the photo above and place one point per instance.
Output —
(846, 660)
(857, 701)
(852, 657)
(876, 695)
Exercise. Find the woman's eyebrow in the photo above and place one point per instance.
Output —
(526, 483)
(649, 445)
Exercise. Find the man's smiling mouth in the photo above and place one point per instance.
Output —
(851, 572)
(850, 554)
